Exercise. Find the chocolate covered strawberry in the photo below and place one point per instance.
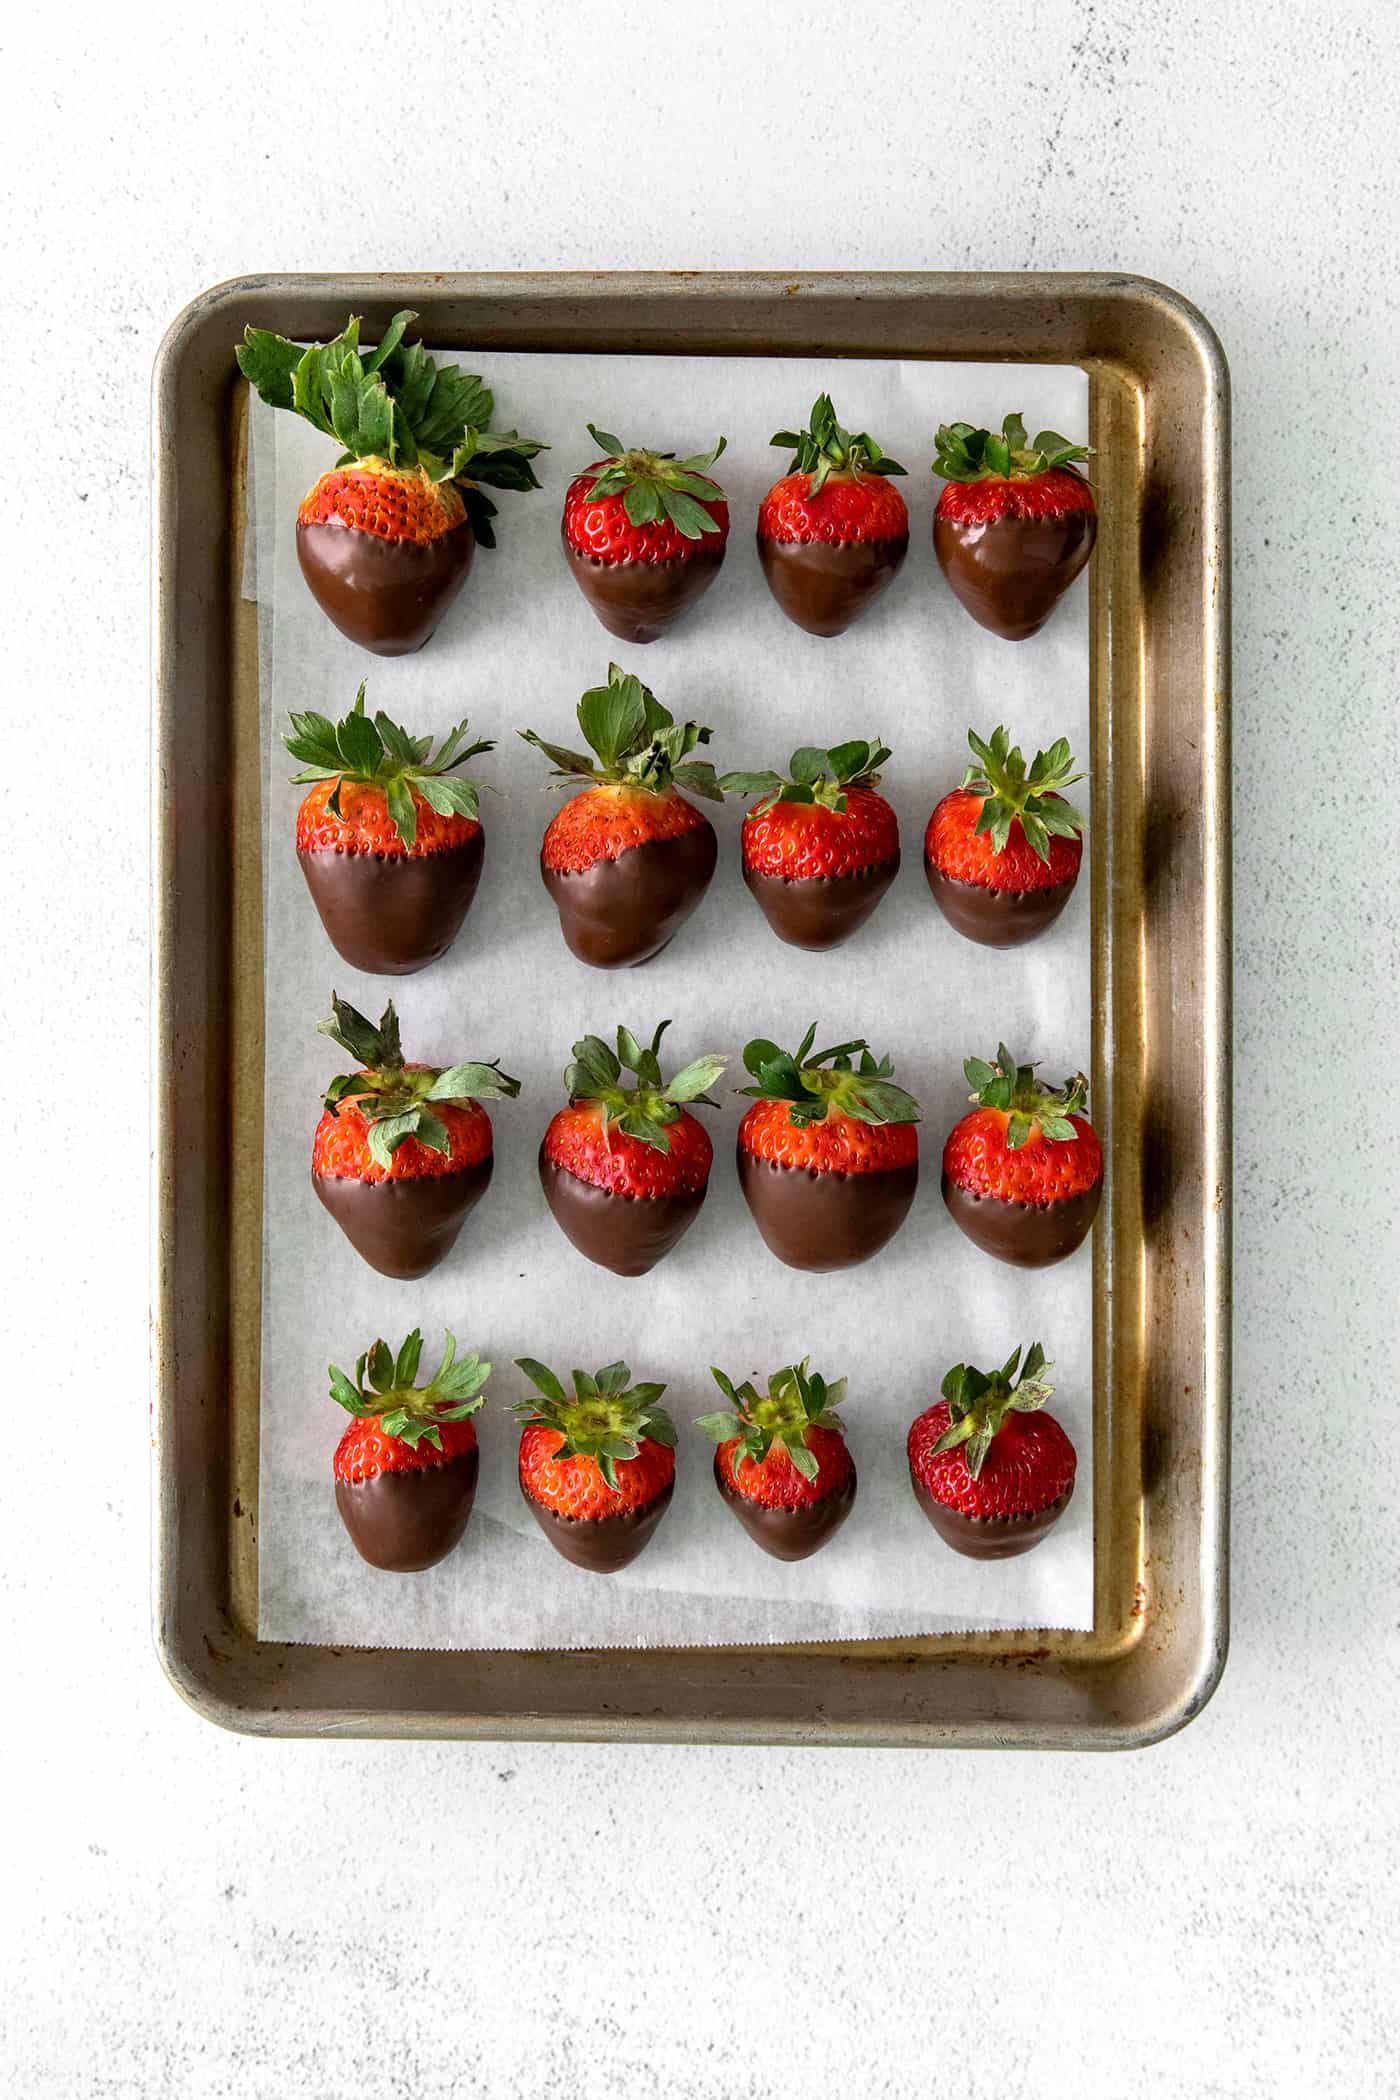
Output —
(820, 846)
(597, 1463)
(1002, 852)
(402, 1152)
(833, 533)
(625, 1166)
(628, 859)
(1023, 1173)
(990, 1471)
(389, 838)
(829, 1154)
(1014, 525)
(644, 535)
(385, 539)
(405, 1469)
(782, 1464)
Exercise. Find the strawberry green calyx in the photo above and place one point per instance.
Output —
(797, 1400)
(824, 777)
(381, 754)
(606, 1418)
(637, 742)
(967, 454)
(383, 1385)
(644, 1110)
(979, 1400)
(825, 448)
(395, 407)
(1035, 797)
(1031, 1107)
(802, 1079)
(396, 1102)
(657, 485)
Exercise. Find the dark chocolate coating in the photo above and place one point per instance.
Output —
(1028, 1235)
(409, 1521)
(622, 912)
(788, 1534)
(823, 585)
(996, 918)
(820, 911)
(639, 601)
(627, 1234)
(988, 1538)
(390, 914)
(387, 595)
(1011, 573)
(820, 1220)
(602, 1545)
(405, 1227)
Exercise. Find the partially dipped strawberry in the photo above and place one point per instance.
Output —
(628, 859)
(644, 535)
(990, 1471)
(389, 838)
(625, 1166)
(406, 1468)
(820, 846)
(833, 532)
(828, 1155)
(1002, 852)
(782, 1465)
(1023, 1172)
(402, 1152)
(597, 1463)
(1014, 525)
(385, 539)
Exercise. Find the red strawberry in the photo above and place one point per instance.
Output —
(1002, 852)
(782, 1463)
(405, 1469)
(628, 860)
(833, 533)
(990, 1472)
(386, 538)
(820, 847)
(389, 839)
(1015, 524)
(402, 1152)
(828, 1159)
(1023, 1173)
(598, 1465)
(625, 1169)
(644, 535)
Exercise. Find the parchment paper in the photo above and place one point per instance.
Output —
(516, 651)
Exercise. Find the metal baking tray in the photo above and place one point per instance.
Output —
(1160, 597)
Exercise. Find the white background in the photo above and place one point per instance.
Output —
(194, 1915)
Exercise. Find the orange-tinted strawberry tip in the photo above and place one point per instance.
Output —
(574, 1488)
(340, 1149)
(776, 1483)
(365, 1451)
(839, 1144)
(391, 504)
(601, 823)
(365, 826)
(579, 1141)
(954, 846)
(977, 1158)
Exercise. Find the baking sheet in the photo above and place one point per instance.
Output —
(516, 651)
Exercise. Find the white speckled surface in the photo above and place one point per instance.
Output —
(188, 1915)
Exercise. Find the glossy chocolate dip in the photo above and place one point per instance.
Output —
(1011, 573)
(996, 918)
(639, 601)
(627, 1234)
(820, 911)
(788, 1534)
(820, 1220)
(390, 914)
(387, 595)
(601, 1545)
(988, 1538)
(1028, 1235)
(621, 912)
(823, 585)
(404, 1227)
(406, 1522)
